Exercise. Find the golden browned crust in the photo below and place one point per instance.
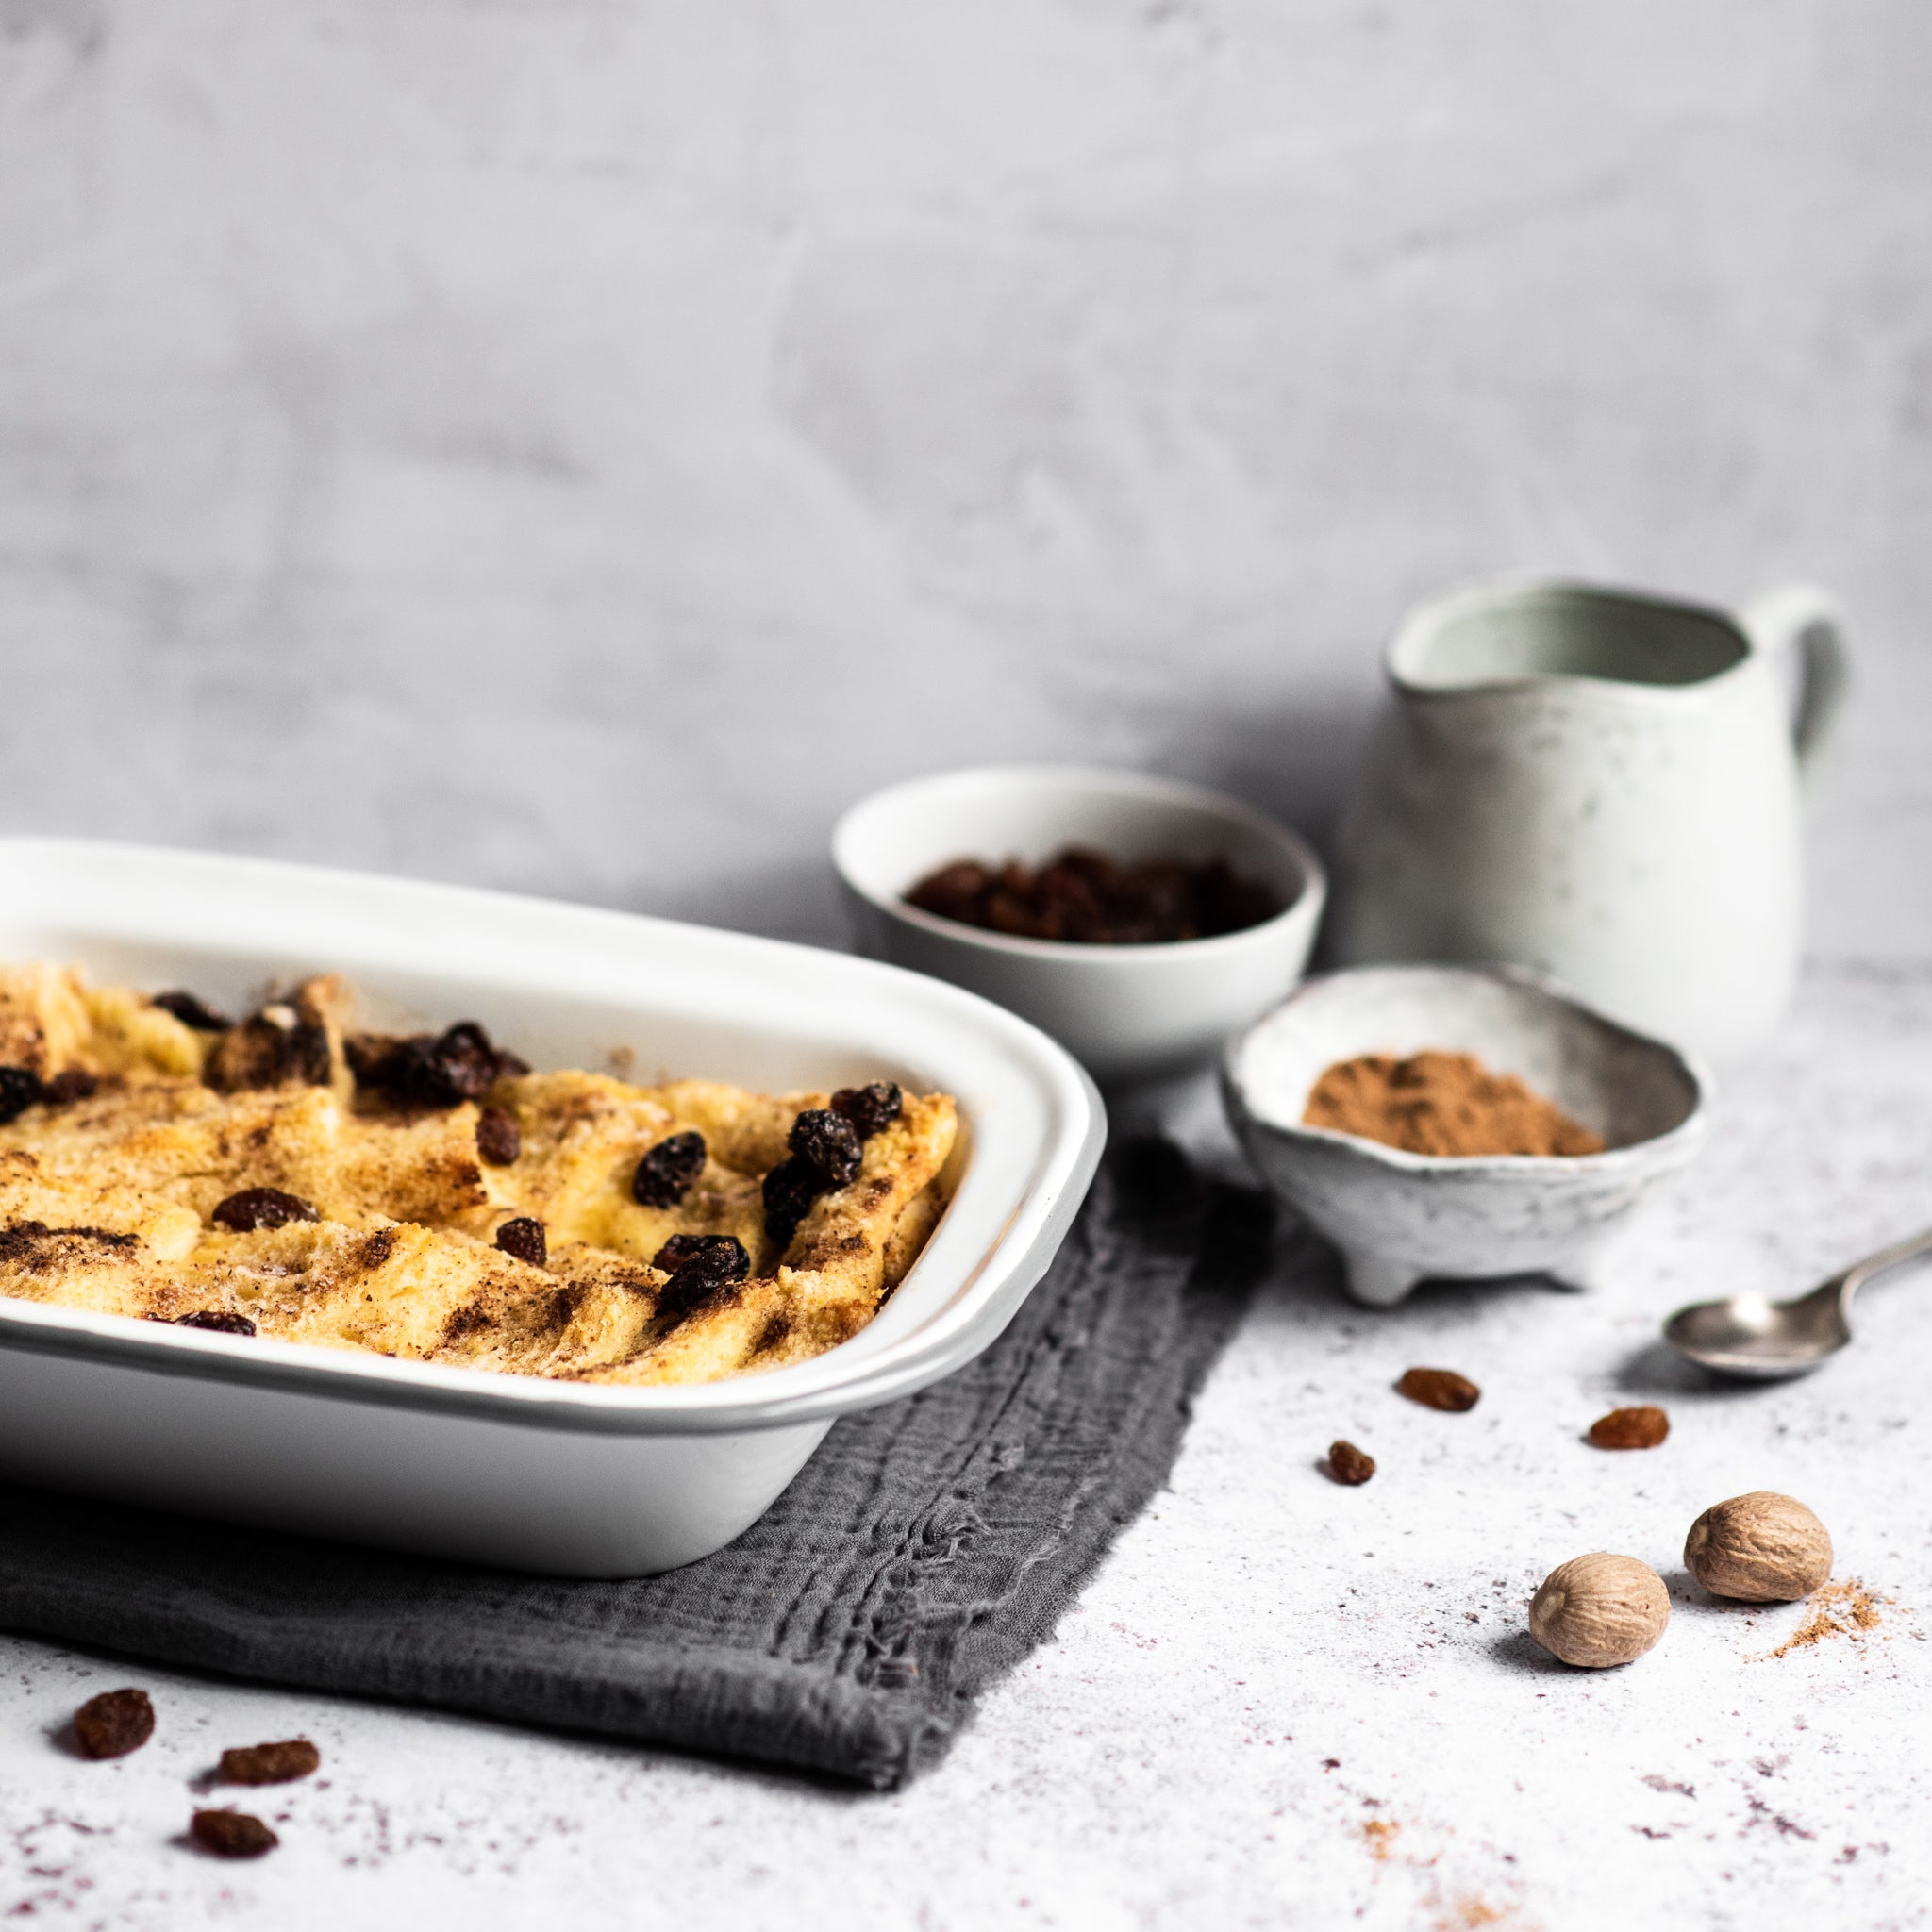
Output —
(106, 1200)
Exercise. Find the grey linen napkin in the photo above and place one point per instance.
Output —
(923, 1551)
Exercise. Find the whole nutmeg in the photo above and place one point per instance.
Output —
(1599, 1610)
(1764, 1547)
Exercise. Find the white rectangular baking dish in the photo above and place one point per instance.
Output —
(509, 1469)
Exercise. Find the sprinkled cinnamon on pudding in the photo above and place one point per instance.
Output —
(429, 1197)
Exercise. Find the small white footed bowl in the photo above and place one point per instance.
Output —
(1127, 1012)
(1400, 1217)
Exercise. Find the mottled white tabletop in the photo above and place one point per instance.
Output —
(1280, 1702)
(580, 446)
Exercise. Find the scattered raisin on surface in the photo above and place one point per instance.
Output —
(20, 1089)
(1642, 1427)
(74, 1083)
(1088, 898)
(665, 1174)
(114, 1724)
(218, 1321)
(1347, 1464)
(869, 1109)
(192, 1012)
(790, 1189)
(523, 1239)
(438, 1069)
(717, 1265)
(269, 1764)
(681, 1248)
(232, 1834)
(499, 1140)
(255, 1208)
(1440, 1389)
(827, 1143)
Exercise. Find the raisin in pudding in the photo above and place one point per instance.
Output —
(429, 1197)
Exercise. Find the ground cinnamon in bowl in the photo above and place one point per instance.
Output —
(1443, 1103)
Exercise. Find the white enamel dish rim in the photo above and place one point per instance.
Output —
(980, 779)
(1022, 1182)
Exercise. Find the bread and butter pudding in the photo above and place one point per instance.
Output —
(429, 1197)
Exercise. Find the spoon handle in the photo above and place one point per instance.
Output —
(1859, 1272)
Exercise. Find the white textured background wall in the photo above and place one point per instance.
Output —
(580, 445)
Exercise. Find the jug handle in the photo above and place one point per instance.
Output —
(1803, 617)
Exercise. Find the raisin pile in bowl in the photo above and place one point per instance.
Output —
(1088, 898)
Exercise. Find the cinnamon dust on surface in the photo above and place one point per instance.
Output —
(1838, 1609)
(1441, 1103)
(1380, 1834)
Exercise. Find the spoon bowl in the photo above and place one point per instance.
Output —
(1758, 1339)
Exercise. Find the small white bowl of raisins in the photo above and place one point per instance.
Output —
(1138, 919)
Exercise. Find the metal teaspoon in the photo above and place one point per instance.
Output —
(1760, 1340)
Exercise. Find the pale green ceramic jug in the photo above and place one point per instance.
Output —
(1602, 785)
